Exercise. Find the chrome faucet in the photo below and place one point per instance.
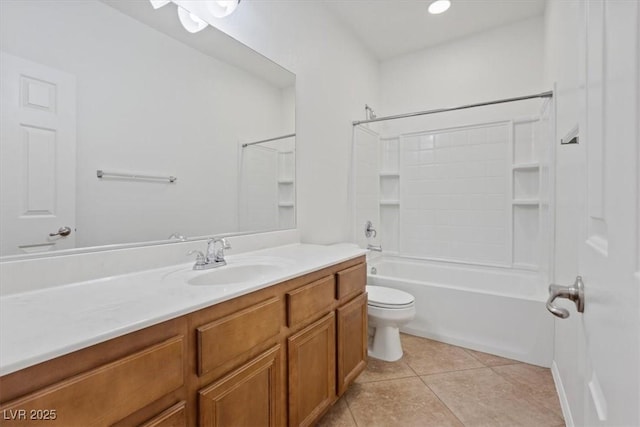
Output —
(214, 257)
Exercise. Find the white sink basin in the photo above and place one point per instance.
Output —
(233, 274)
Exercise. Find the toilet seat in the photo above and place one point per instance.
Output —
(389, 298)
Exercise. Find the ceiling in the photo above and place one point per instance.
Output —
(390, 28)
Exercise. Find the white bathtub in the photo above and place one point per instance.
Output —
(494, 310)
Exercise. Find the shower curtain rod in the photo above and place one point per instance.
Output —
(268, 140)
(548, 94)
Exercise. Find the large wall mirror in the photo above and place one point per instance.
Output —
(124, 128)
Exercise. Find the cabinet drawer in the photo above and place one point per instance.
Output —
(227, 338)
(351, 281)
(109, 393)
(173, 417)
(310, 301)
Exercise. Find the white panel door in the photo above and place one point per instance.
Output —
(38, 156)
(609, 257)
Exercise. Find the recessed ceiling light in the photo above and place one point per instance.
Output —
(439, 6)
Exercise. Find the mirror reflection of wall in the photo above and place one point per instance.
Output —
(267, 185)
(133, 100)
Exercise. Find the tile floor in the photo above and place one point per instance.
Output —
(437, 384)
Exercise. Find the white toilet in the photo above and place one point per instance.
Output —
(388, 310)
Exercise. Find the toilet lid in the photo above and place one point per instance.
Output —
(379, 296)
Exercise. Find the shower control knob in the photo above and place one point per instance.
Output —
(369, 231)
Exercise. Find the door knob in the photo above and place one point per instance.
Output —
(62, 231)
(574, 293)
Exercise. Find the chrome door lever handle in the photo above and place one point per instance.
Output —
(574, 293)
(62, 231)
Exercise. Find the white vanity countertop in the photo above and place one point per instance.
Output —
(41, 325)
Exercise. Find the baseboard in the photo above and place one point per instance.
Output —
(564, 402)
(472, 345)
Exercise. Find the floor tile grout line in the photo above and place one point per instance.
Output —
(388, 379)
(440, 400)
(346, 402)
(519, 385)
(451, 372)
(469, 352)
(434, 393)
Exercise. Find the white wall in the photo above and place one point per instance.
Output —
(503, 62)
(335, 77)
(147, 104)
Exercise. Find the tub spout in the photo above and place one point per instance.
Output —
(377, 248)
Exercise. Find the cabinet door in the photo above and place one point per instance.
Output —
(352, 341)
(249, 396)
(175, 416)
(106, 394)
(312, 371)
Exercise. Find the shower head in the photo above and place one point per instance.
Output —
(369, 113)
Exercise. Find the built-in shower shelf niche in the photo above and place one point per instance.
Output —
(526, 183)
(389, 196)
(529, 185)
(286, 189)
(390, 188)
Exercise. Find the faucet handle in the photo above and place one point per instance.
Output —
(200, 258)
(225, 243)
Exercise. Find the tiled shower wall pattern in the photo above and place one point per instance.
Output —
(454, 202)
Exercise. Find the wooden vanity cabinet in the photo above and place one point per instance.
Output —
(128, 380)
(352, 341)
(312, 371)
(327, 355)
(277, 356)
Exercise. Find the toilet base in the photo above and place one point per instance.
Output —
(385, 344)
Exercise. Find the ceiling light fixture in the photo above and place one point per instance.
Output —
(194, 23)
(190, 21)
(439, 6)
(157, 4)
(222, 8)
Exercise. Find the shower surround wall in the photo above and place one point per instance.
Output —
(466, 192)
(473, 193)
(461, 210)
